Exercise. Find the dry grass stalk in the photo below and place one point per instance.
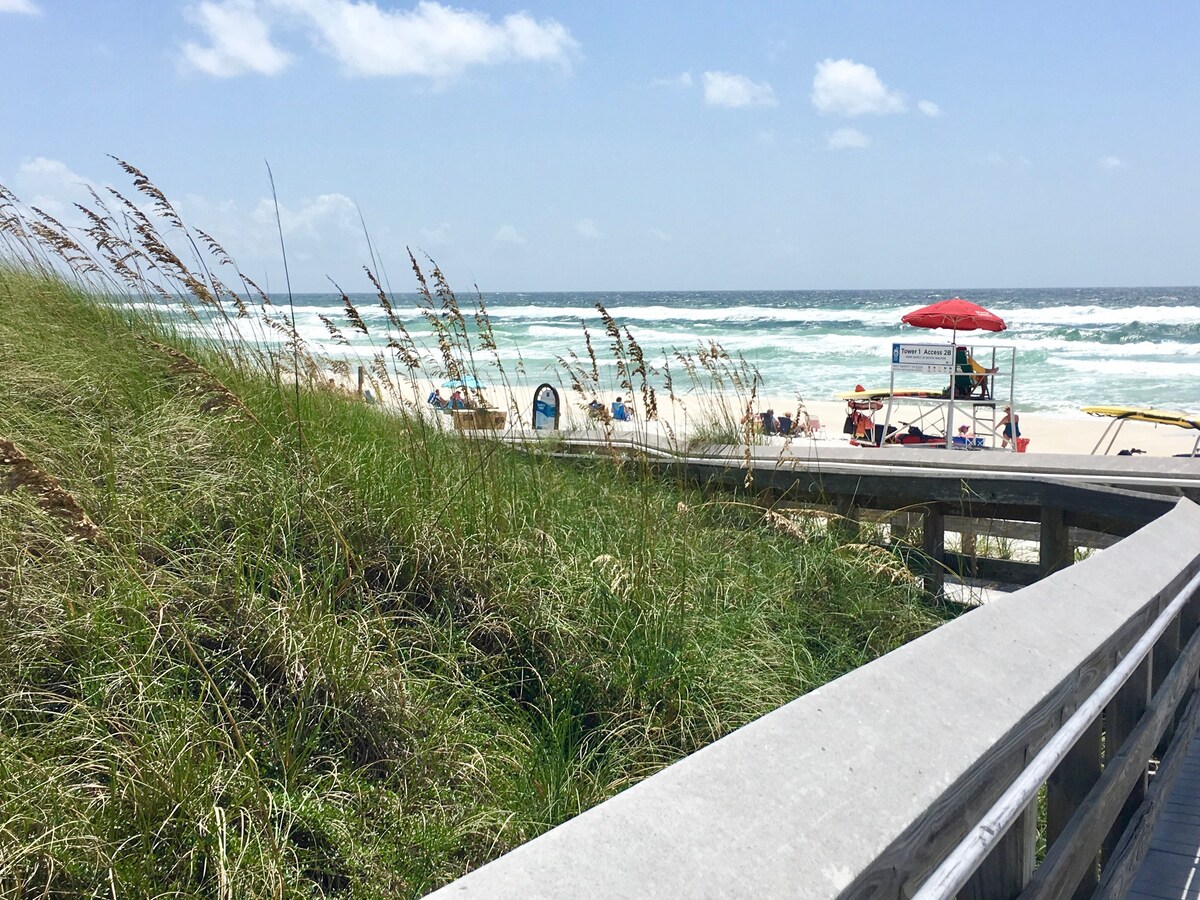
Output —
(334, 331)
(54, 235)
(384, 301)
(350, 310)
(147, 187)
(483, 322)
(879, 561)
(51, 496)
(215, 395)
(788, 525)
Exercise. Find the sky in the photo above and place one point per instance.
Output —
(572, 146)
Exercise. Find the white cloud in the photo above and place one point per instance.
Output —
(51, 186)
(846, 88)
(660, 234)
(508, 235)
(1109, 162)
(312, 217)
(588, 229)
(19, 6)
(929, 108)
(438, 234)
(729, 90)
(682, 80)
(429, 40)
(845, 138)
(315, 230)
(240, 41)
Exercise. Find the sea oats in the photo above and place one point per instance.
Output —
(51, 496)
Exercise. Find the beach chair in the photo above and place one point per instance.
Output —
(981, 380)
(973, 380)
(815, 428)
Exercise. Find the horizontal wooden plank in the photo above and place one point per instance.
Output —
(984, 568)
(1102, 509)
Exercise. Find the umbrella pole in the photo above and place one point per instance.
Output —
(953, 384)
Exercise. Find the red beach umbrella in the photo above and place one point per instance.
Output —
(955, 313)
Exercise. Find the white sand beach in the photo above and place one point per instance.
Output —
(688, 414)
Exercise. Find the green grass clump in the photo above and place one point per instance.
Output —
(261, 641)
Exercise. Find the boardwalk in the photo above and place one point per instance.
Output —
(1172, 865)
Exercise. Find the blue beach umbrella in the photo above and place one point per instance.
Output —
(470, 382)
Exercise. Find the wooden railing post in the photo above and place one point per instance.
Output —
(1055, 552)
(1121, 717)
(849, 523)
(933, 545)
(969, 546)
(1009, 867)
(901, 526)
(1189, 622)
(1163, 657)
(1066, 790)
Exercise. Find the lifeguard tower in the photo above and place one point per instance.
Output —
(933, 388)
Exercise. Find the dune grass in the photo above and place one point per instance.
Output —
(259, 639)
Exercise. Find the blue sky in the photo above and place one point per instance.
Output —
(633, 146)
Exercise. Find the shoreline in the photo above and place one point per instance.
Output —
(681, 419)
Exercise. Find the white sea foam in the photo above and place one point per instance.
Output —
(1095, 316)
(1133, 367)
(1129, 350)
(730, 314)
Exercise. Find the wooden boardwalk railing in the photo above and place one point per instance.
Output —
(1056, 494)
(935, 770)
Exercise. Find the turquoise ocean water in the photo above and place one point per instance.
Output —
(1074, 346)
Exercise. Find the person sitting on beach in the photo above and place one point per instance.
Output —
(784, 423)
(768, 422)
(435, 399)
(1011, 425)
(595, 409)
(619, 412)
(457, 401)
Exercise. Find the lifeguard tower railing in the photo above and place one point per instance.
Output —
(1021, 750)
(962, 393)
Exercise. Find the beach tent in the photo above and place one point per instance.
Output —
(470, 382)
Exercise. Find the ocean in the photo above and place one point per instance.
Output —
(1073, 347)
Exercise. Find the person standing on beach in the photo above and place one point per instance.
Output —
(1011, 427)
